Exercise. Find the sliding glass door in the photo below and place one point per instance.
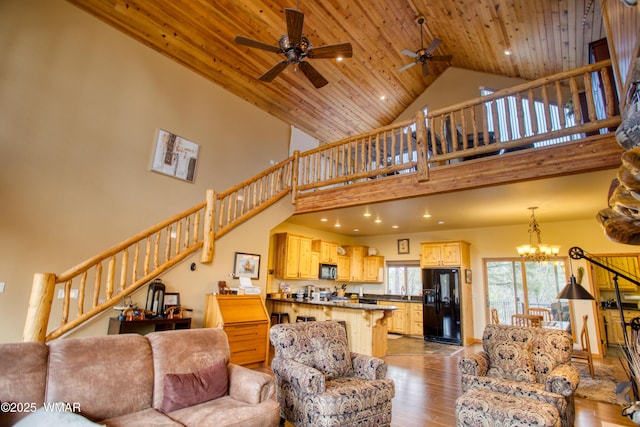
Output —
(514, 286)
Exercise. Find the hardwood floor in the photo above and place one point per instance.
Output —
(427, 387)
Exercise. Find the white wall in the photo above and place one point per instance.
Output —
(80, 105)
(453, 86)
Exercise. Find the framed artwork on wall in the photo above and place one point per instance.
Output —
(246, 265)
(403, 246)
(467, 276)
(171, 299)
(175, 156)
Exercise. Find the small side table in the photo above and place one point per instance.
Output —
(145, 326)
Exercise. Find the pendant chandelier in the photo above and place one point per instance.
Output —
(536, 250)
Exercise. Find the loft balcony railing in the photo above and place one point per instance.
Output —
(553, 110)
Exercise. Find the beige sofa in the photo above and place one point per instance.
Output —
(133, 380)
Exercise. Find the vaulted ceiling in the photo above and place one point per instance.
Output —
(544, 37)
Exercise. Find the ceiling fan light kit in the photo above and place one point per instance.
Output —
(424, 55)
(296, 47)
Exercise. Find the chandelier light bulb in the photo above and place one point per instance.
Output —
(537, 251)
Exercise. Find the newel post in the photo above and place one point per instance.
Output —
(39, 310)
(421, 146)
(209, 228)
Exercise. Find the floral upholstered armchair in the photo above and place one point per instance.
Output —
(319, 382)
(526, 362)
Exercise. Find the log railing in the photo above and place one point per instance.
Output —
(545, 111)
(104, 280)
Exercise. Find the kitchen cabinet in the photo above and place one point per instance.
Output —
(328, 251)
(373, 268)
(415, 318)
(245, 320)
(614, 326)
(344, 270)
(294, 258)
(603, 279)
(397, 323)
(356, 256)
(440, 254)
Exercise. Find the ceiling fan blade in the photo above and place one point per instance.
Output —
(295, 19)
(404, 67)
(343, 50)
(254, 43)
(441, 58)
(425, 69)
(434, 44)
(409, 53)
(312, 74)
(273, 71)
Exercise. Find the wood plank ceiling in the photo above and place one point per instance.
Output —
(545, 36)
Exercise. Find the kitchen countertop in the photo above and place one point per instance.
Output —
(356, 306)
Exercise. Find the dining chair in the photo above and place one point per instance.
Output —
(582, 350)
(538, 311)
(527, 320)
(495, 319)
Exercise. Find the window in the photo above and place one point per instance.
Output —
(404, 278)
(507, 110)
(513, 286)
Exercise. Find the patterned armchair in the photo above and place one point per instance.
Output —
(319, 382)
(525, 362)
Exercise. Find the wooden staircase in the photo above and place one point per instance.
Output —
(406, 157)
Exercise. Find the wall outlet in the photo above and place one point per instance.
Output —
(1, 287)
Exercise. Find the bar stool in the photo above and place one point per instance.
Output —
(305, 319)
(279, 318)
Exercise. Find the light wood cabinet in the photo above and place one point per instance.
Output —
(356, 256)
(603, 279)
(328, 251)
(246, 321)
(373, 268)
(344, 269)
(294, 258)
(362, 267)
(614, 325)
(415, 319)
(441, 254)
(397, 323)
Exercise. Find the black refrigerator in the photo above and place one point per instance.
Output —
(441, 305)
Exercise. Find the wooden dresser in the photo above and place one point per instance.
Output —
(245, 320)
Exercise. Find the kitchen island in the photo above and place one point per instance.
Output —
(366, 324)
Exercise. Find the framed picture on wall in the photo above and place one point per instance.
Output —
(175, 156)
(246, 265)
(403, 246)
(467, 276)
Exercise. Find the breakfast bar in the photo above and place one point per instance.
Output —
(366, 324)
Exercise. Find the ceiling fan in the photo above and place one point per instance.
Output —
(423, 55)
(296, 47)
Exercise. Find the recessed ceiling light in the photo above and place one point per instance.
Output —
(324, 219)
(337, 225)
(508, 51)
(440, 222)
(382, 97)
(427, 215)
(367, 214)
(339, 58)
(356, 229)
(378, 221)
(394, 226)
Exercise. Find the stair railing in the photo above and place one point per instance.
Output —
(104, 280)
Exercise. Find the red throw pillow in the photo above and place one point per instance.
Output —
(184, 390)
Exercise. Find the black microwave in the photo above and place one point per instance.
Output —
(328, 272)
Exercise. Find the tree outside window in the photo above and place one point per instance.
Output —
(404, 278)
